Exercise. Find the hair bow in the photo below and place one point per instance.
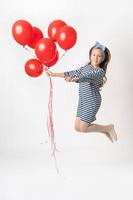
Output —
(98, 45)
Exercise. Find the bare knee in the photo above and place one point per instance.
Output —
(84, 127)
(77, 124)
(81, 128)
(77, 128)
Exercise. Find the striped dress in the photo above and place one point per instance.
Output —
(89, 102)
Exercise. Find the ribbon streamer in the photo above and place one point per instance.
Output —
(50, 125)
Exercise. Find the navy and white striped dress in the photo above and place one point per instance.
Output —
(89, 102)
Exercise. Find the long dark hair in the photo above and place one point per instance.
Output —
(104, 64)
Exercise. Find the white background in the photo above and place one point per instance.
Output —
(90, 167)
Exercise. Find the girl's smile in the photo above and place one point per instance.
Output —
(96, 57)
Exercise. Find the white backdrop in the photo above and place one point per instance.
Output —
(85, 161)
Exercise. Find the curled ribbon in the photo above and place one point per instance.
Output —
(50, 124)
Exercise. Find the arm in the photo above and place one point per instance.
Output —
(60, 75)
(53, 74)
(71, 79)
(87, 74)
(78, 75)
(69, 76)
(74, 73)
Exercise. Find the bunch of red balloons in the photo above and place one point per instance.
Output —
(45, 47)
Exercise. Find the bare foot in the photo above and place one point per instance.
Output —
(112, 132)
(108, 136)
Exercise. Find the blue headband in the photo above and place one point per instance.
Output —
(100, 46)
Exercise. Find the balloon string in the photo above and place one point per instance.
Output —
(27, 49)
(63, 55)
(50, 125)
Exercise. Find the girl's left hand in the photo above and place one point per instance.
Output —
(71, 79)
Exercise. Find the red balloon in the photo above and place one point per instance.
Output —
(66, 37)
(45, 50)
(33, 67)
(36, 36)
(52, 61)
(22, 31)
(54, 28)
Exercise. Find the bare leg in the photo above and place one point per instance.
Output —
(77, 124)
(108, 130)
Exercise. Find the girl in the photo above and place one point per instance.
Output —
(91, 78)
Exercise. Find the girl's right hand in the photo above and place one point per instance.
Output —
(48, 72)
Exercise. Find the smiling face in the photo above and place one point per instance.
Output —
(96, 57)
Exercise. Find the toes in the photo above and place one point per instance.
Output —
(113, 134)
